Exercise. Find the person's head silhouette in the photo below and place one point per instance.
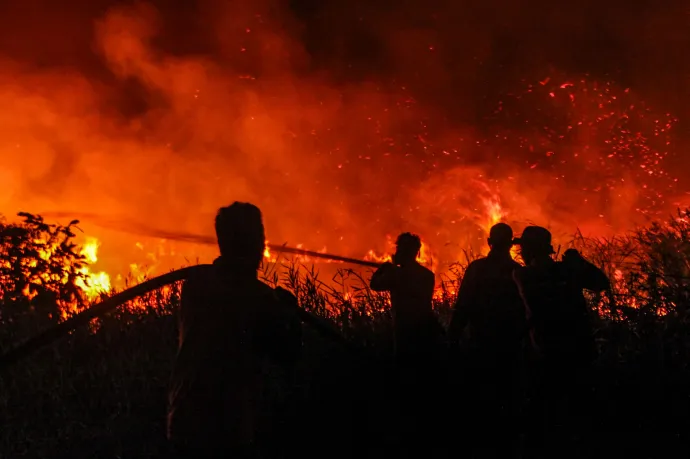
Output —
(535, 242)
(408, 246)
(241, 236)
(500, 237)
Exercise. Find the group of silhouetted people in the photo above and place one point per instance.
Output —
(511, 322)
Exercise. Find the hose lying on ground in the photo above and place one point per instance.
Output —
(60, 330)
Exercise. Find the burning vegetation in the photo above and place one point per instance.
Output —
(45, 277)
(347, 125)
(569, 133)
(333, 164)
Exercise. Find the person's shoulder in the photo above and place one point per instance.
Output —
(285, 296)
(200, 275)
(478, 262)
(284, 303)
(424, 271)
(262, 289)
(482, 263)
(276, 294)
(200, 271)
(477, 266)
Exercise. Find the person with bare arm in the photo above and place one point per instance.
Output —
(231, 325)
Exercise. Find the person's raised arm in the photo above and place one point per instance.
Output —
(385, 278)
(588, 275)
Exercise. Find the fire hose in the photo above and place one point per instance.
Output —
(133, 227)
(60, 330)
(52, 334)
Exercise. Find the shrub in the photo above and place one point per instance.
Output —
(101, 391)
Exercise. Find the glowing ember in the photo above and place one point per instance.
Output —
(330, 163)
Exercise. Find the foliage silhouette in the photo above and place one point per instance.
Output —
(101, 392)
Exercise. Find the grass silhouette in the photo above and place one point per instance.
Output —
(101, 391)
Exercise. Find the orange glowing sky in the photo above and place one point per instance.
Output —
(397, 122)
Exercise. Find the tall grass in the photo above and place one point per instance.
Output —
(100, 392)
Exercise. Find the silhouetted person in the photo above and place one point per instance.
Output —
(411, 288)
(230, 326)
(489, 320)
(488, 308)
(417, 338)
(560, 327)
(552, 292)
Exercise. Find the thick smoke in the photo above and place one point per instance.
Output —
(344, 121)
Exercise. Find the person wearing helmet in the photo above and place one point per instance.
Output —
(552, 292)
(561, 334)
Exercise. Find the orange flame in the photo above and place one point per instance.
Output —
(93, 284)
